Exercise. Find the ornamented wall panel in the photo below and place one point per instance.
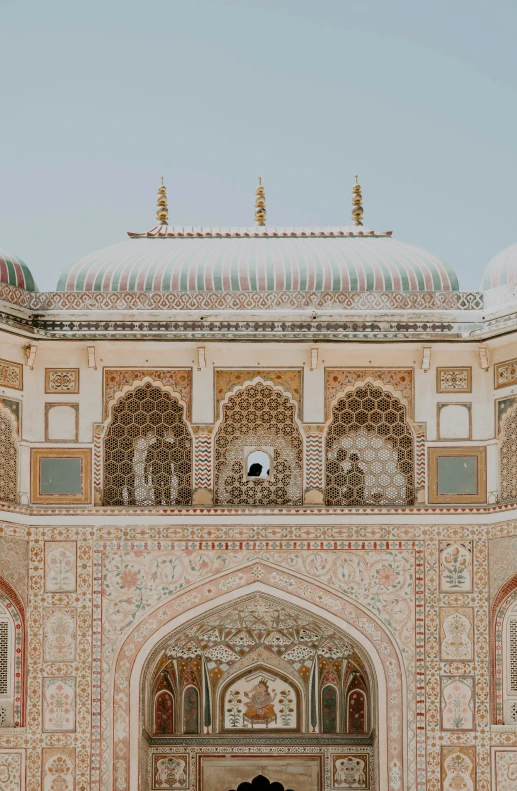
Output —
(59, 679)
(318, 564)
(11, 375)
(12, 770)
(337, 379)
(289, 379)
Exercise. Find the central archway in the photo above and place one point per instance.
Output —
(334, 622)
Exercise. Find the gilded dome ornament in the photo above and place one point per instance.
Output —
(357, 203)
(162, 211)
(260, 204)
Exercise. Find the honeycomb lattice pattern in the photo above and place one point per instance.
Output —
(259, 416)
(147, 451)
(369, 451)
(9, 459)
(508, 456)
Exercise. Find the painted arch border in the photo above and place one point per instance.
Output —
(232, 580)
(382, 676)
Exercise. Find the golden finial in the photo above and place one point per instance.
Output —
(357, 204)
(162, 212)
(260, 204)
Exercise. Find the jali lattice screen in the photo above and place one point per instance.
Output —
(508, 456)
(147, 451)
(9, 459)
(369, 451)
(259, 416)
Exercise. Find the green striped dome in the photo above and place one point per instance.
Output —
(259, 259)
(14, 272)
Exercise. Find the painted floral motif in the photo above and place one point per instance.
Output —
(234, 708)
(505, 373)
(455, 566)
(506, 770)
(62, 380)
(59, 704)
(135, 581)
(191, 710)
(170, 771)
(60, 566)
(10, 771)
(457, 703)
(453, 380)
(350, 771)
(59, 640)
(58, 769)
(286, 703)
(456, 634)
(458, 769)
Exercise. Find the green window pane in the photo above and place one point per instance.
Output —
(60, 476)
(457, 475)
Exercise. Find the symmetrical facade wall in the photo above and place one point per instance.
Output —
(419, 583)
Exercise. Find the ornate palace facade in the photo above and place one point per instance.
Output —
(258, 490)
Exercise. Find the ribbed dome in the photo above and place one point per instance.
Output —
(169, 258)
(502, 269)
(14, 272)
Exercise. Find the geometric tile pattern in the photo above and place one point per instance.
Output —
(337, 379)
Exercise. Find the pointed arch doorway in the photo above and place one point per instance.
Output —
(260, 673)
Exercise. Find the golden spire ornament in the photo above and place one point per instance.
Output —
(357, 204)
(162, 212)
(260, 204)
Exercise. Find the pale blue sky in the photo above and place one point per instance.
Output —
(100, 98)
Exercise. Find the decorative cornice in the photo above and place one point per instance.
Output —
(102, 511)
(67, 301)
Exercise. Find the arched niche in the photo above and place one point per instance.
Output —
(258, 428)
(272, 657)
(330, 706)
(369, 449)
(147, 448)
(163, 721)
(356, 711)
(172, 616)
(190, 710)
(260, 698)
